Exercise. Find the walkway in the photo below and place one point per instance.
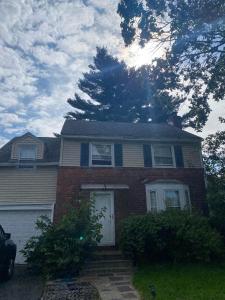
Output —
(114, 286)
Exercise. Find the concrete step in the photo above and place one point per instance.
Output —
(108, 263)
(106, 271)
(108, 255)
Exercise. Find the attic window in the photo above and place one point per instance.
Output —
(27, 152)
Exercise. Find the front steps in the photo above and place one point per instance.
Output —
(107, 263)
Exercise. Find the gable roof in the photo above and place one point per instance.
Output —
(145, 131)
(51, 149)
(29, 134)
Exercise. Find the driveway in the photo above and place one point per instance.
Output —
(22, 286)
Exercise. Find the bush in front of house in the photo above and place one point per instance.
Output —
(170, 235)
(61, 249)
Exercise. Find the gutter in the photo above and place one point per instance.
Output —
(89, 137)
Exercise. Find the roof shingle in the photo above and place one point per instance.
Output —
(125, 130)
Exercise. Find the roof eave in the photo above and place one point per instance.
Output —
(96, 137)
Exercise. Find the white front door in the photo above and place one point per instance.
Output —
(105, 200)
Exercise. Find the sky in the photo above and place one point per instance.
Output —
(45, 46)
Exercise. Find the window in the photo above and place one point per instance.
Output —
(27, 152)
(172, 199)
(162, 196)
(163, 155)
(153, 202)
(101, 154)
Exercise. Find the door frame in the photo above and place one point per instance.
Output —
(112, 215)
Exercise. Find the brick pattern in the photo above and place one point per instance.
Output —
(127, 202)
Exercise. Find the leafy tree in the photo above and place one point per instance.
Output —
(194, 34)
(214, 158)
(111, 91)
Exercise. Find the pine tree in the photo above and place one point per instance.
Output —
(115, 92)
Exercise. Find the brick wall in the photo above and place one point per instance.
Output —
(127, 202)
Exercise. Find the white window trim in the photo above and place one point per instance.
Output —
(163, 166)
(160, 189)
(112, 152)
(149, 208)
(25, 145)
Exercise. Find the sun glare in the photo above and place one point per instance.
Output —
(136, 56)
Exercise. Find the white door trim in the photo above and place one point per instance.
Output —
(112, 243)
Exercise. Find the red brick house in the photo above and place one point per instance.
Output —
(129, 169)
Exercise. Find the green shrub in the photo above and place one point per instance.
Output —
(61, 249)
(170, 235)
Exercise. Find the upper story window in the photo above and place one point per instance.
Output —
(27, 152)
(167, 196)
(102, 154)
(163, 155)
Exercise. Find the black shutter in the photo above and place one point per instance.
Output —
(147, 155)
(179, 156)
(118, 155)
(84, 154)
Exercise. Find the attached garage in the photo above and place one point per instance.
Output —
(19, 220)
(28, 179)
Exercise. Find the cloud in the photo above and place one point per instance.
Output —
(45, 46)
(50, 57)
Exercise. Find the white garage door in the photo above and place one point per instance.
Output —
(21, 225)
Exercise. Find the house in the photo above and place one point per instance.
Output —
(127, 169)
(28, 176)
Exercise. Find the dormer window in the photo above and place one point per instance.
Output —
(27, 152)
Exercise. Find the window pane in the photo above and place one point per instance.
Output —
(172, 199)
(164, 161)
(153, 201)
(101, 154)
(163, 151)
(163, 155)
(27, 151)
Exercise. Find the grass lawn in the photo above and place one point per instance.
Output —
(181, 282)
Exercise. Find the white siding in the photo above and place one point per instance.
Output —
(133, 155)
(27, 185)
(70, 155)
